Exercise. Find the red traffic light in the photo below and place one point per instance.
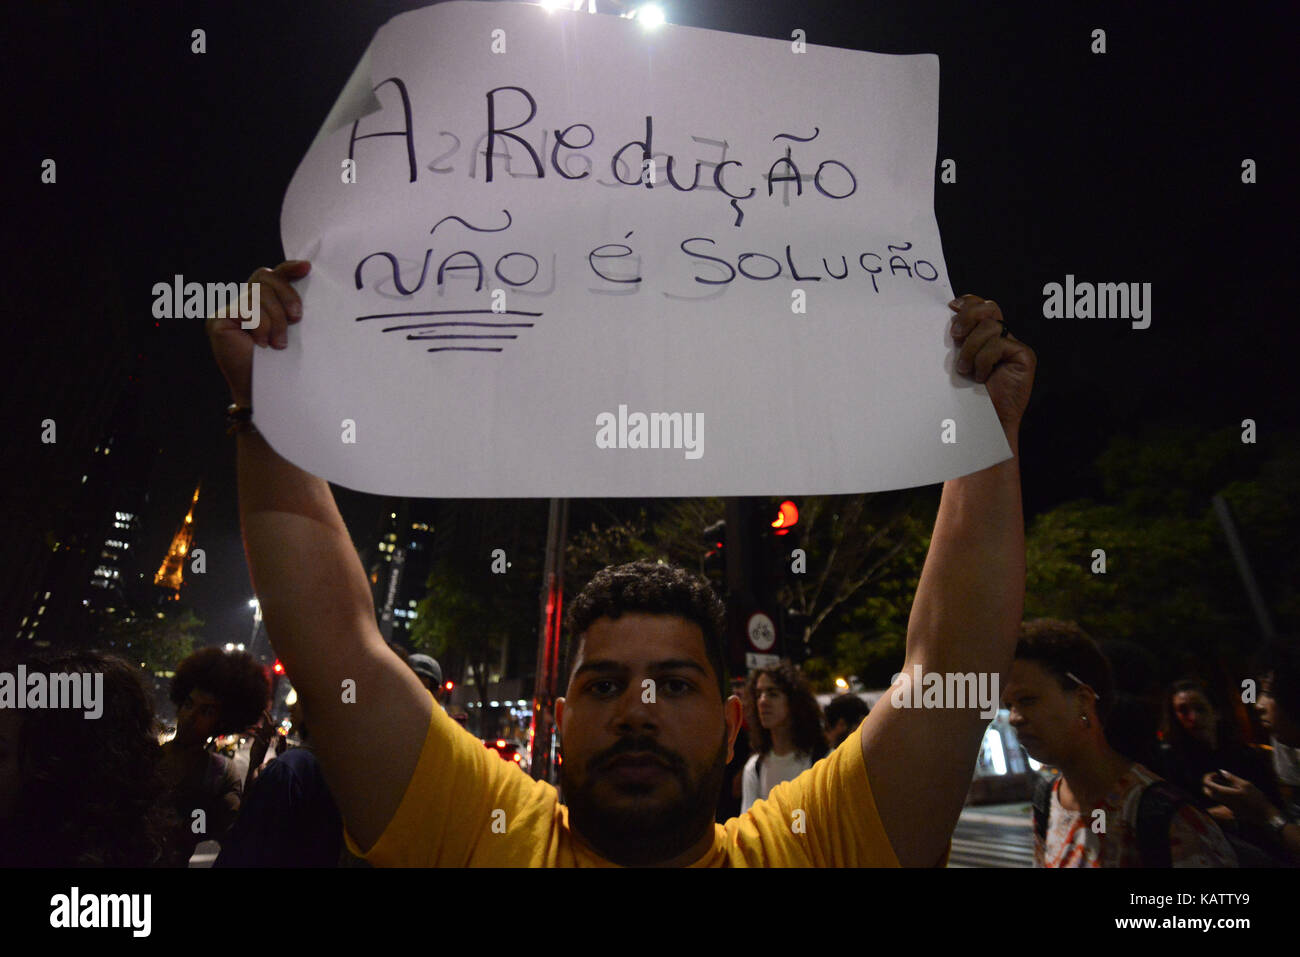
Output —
(448, 685)
(787, 516)
(278, 668)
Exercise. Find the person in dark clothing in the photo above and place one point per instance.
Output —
(215, 693)
(289, 818)
(1194, 743)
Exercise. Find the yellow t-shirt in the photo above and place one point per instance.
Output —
(448, 813)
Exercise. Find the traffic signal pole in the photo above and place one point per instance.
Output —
(742, 597)
(546, 687)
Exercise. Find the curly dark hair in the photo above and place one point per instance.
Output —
(805, 713)
(235, 678)
(848, 707)
(1063, 648)
(91, 791)
(653, 589)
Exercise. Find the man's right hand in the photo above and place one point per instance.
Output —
(279, 305)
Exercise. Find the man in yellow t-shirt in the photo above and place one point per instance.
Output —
(640, 771)
(648, 732)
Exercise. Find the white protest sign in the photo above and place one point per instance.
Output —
(557, 254)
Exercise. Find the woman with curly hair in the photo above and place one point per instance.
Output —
(215, 693)
(785, 730)
(81, 791)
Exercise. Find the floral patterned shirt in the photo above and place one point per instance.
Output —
(1089, 839)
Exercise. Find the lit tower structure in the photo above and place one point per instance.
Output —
(171, 574)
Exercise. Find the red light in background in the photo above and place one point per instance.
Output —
(448, 686)
(787, 517)
(278, 668)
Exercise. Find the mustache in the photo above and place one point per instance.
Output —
(641, 745)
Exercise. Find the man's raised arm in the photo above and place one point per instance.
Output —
(965, 617)
(316, 599)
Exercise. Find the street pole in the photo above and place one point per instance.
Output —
(545, 689)
(257, 624)
(1238, 549)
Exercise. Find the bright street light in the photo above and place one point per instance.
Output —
(650, 15)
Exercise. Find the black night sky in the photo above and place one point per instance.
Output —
(1117, 167)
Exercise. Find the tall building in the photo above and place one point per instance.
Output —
(87, 562)
(398, 567)
(73, 456)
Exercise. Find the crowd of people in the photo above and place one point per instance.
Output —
(124, 790)
(75, 792)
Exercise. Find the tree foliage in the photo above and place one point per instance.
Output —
(475, 612)
(1170, 583)
(865, 554)
(160, 643)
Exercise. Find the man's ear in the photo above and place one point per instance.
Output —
(734, 712)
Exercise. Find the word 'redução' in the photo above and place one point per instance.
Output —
(76, 910)
(949, 690)
(193, 300)
(634, 163)
(22, 691)
(653, 430)
(1104, 300)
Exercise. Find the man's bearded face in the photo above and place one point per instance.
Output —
(645, 739)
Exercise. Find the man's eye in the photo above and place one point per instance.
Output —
(602, 687)
(676, 685)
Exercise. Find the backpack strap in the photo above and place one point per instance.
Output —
(1156, 809)
(1042, 805)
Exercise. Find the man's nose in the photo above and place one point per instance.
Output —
(634, 710)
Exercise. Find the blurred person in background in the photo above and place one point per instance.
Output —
(429, 672)
(843, 715)
(1279, 713)
(785, 730)
(1196, 742)
(78, 791)
(215, 693)
(289, 817)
